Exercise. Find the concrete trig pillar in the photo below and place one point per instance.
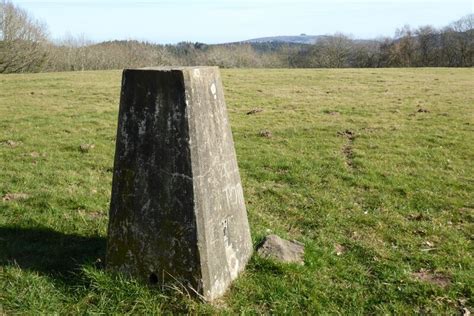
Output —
(177, 210)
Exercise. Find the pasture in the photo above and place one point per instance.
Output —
(372, 169)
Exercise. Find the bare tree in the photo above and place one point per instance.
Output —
(332, 51)
(404, 50)
(24, 48)
(427, 46)
(448, 48)
(464, 39)
(365, 54)
(22, 41)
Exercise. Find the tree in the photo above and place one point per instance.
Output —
(333, 51)
(22, 40)
(365, 54)
(464, 39)
(404, 50)
(428, 46)
(449, 54)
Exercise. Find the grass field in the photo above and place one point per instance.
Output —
(373, 170)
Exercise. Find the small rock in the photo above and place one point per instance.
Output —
(34, 154)
(266, 133)
(282, 250)
(347, 133)
(254, 111)
(86, 147)
(14, 197)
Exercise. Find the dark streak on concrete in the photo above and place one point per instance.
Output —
(152, 228)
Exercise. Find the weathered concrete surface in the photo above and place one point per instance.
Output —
(281, 249)
(177, 210)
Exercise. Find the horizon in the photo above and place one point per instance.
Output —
(213, 22)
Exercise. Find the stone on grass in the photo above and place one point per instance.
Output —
(281, 249)
(177, 211)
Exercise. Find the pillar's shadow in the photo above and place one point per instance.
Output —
(47, 251)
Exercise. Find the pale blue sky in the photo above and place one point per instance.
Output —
(213, 21)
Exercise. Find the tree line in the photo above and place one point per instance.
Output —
(26, 47)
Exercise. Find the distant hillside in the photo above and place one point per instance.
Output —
(299, 39)
(302, 39)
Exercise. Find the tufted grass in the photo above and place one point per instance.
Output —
(372, 169)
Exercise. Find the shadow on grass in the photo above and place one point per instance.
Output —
(49, 252)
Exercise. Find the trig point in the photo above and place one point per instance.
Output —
(177, 211)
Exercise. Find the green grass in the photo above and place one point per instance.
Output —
(376, 190)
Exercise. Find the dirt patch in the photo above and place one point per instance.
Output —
(11, 143)
(348, 154)
(14, 197)
(372, 129)
(95, 215)
(465, 209)
(347, 149)
(416, 217)
(265, 133)
(84, 148)
(254, 111)
(350, 135)
(331, 112)
(419, 232)
(339, 249)
(432, 277)
(420, 111)
(91, 214)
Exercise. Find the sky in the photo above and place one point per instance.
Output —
(220, 21)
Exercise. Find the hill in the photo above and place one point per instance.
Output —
(300, 39)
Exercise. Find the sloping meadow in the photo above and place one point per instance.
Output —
(371, 169)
